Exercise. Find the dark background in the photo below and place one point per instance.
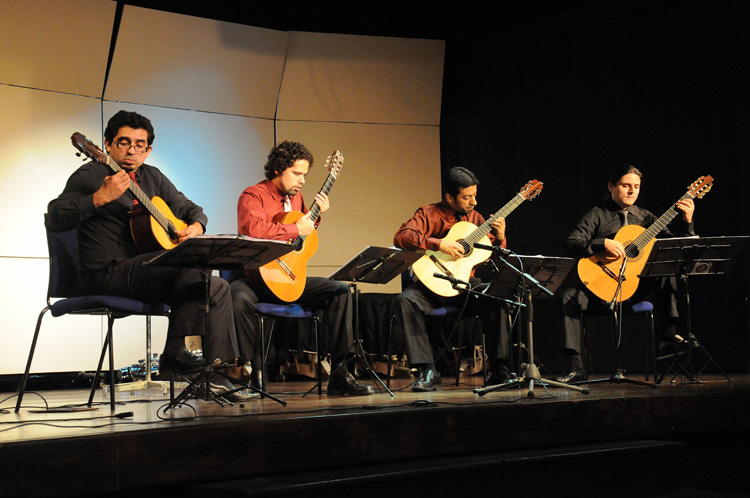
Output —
(562, 91)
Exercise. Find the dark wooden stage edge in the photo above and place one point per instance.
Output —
(612, 442)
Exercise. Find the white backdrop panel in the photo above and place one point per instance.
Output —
(187, 62)
(59, 45)
(36, 159)
(362, 79)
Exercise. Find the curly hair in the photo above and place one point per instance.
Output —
(283, 156)
(131, 119)
(458, 178)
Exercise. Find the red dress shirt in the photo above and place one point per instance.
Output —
(258, 205)
(430, 224)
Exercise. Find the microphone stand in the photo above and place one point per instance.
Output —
(615, 307)
(463, 286)
(531, 373)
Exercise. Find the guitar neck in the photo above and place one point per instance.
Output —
(315, 208)
(482, 230)
(660, 224)
(144, 199)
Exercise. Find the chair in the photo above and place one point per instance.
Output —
(644, 309)
(448, 312)
(68, 290)
(269, 312)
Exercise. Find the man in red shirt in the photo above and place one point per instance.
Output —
(426, 231)
(287, 166)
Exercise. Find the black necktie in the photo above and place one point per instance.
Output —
(624, 217)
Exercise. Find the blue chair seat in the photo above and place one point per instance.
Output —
(284, 310)
(118, 305)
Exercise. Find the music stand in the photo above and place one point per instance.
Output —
(549, 272)
(685, 257)
(552, 272)
(373, 265)
(217, 252)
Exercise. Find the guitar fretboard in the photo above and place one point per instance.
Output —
(643, 239)
(482, 230)
(139, 194)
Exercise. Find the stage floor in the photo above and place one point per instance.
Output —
(203, 446)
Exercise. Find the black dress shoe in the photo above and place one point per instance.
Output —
(570, 376)
(347, 384)
(498, 375)
(429, 380)
(227, 390)
(184, 361)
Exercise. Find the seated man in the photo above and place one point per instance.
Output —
(426, 230)
(287, 166)
(96, 202)
(595, 233)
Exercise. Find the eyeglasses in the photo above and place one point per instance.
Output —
(125, 145)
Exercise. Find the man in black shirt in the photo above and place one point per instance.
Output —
(595, 233)
(96, 203)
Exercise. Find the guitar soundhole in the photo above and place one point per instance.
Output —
(631, 251)
(467, 248)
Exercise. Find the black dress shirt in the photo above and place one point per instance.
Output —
(104, 232)
(603, 222)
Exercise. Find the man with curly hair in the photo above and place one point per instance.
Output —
(286, 169)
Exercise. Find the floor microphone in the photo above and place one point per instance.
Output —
(499, 249)
(453, 280)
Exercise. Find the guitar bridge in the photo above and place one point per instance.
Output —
(440, 265)
(286, 269)
(609, 272)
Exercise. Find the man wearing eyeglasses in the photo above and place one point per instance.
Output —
(97, 203)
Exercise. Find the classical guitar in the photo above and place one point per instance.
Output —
(286, 276)
(467, 234)
(152, 224)
(601, 274)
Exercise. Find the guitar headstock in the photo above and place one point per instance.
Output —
(531, 189)
(334, 163)
(700, 186)
(87, 147)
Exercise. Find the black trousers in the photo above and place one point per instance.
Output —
(578, 299)
(331, 296)
(183, 290)
(416, 301)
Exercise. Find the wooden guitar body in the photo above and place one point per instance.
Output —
(436, 261)
(147, 232)
(601, 274)
(286, 276)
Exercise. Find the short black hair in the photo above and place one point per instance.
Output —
(458, 178)
(283, 156)
(131, 119)
(622, 170)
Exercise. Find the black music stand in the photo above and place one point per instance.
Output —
(373, 265)
(217, 252)
(530, 277)
(684, 257)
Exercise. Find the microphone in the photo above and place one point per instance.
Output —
(620, 281)
(502, 251)
(453, 280)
